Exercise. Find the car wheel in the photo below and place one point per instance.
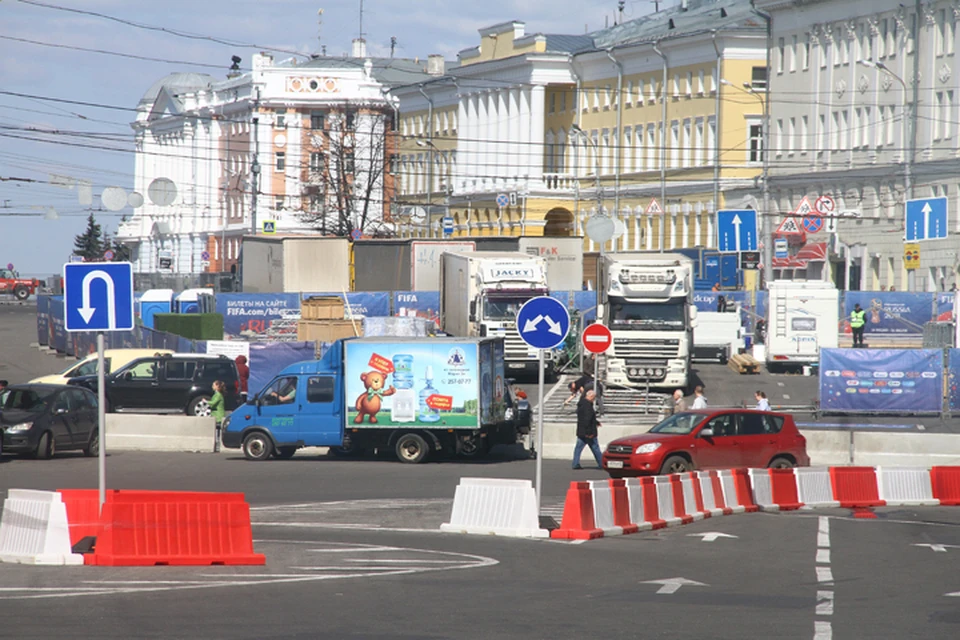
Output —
(257, 446)
(199, 406)
(412, 448)
(21, 293)
(285, 453)
(675, 464)
(93, 446)
(46, 447)
(781, 463)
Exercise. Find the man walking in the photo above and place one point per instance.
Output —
(857, 322)
(679, 404)
(699, 400)
(587, 429)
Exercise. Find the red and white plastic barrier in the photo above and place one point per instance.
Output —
(613, 507)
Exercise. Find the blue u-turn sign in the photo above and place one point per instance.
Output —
(98, 296)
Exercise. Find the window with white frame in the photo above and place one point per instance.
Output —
(823, 139)
(607, 97)
(845, 129)
(791, 135)
(778, 142)
(596, 99)
(912, 29)
(713, 79)
(940, 36)
(605, 151)
(781, 53)
(837, 46)
(636, 150)
(711, 139)
(805, 52)
(316, 161)
(676, 85)
(938, 110)
(949, 31)
(845, 47)
(628, 98)
(793, 53)
(883, 27)
(628, 150)
(835, 132)
(890, 121)
(675, 144)
(653, 90)
(553, 103)
(868, 128)
(700, 85)
(803, 142)
(687, 141)
(698, 149)
(563, 101)
(894, 33)
(856, 131)
(948, 114)
(652, 147)
(280, 118)
(280, 163)
(689, 86)
(640, 94)
(754, 140)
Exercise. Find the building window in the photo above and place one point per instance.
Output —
(553, 103)
(912, 21)
(316, 121)
(938, 116)
(348, 161)
(791, 135)
(824, 135)
(674, 144)
(653, 90)
(758, 78)
(607, 95)
(281, 161)
(805, 53)
(755, 141)
(701, 87)
(781, 52)
(689, 83)
(687, 142)
(350, 121)
(278, 203)
(563, 101)
(698, 143)
(947, 115)
(676, 85)
(628, 98)
(793, 54)
(316, 162)
(651, 147)
(778, 145)
(804, 131)
(280, 119)
(857, 128)
(940, 35)
(845, 129)
(712, 138)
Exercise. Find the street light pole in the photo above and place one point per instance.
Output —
(599, 187)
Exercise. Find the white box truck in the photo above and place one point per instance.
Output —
(480, 295)
(648, 307)
(802, 318)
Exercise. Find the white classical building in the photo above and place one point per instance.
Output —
(290, 147)
(864, 110)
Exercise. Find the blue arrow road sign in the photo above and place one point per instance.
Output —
(98, 296)
(543, 322)
(737, 230)
(926, 219)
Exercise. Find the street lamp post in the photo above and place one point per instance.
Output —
(431, 147)
(599, 187)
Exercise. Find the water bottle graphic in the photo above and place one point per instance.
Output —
(428, 413)
(403, 407)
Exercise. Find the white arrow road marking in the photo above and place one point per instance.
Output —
(710, 536)
(939, 548)
(86, 311)
(554, 326)
(955, 594)
(736, 230)
(531, 325)
(672, 585)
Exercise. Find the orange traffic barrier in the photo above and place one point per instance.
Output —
(578, 522)
(621, 506)
(83, 512)
(783, 488)
(855, 487)
(744, 490)
(946, 484)
(651, 504)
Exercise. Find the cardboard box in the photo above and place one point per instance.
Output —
(322, 308)
(326, 330)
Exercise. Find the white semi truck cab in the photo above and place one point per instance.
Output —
(481, 293)
(648, 307)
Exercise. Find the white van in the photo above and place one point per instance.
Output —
(114, 358)
(803, 317)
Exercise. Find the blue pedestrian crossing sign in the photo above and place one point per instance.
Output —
(926, 219)
(98, 296)
(543, 322)
(269, 226)
(737, 230)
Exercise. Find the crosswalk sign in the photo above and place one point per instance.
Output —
(789, 225)
(804, 208)
(654, 208)
(269, 226)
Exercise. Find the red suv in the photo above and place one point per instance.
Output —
(709, 439)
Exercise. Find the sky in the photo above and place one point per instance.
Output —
(73, 112)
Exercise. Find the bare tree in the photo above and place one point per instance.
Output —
(345, 182)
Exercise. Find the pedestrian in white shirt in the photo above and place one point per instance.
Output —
(762, 403)
(699, 400)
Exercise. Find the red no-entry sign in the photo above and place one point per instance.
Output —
(596, 338)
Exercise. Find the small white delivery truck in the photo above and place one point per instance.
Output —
(802, 318)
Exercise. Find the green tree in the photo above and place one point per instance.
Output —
(121, 252)
(89, 244)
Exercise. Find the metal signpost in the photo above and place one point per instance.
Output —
(98, 296)
(543, 323)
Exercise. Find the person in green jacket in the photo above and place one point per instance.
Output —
(218, 409)
(857, 322)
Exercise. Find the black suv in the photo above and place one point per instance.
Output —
(178, 382)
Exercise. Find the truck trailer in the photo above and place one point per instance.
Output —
(802, 318)
(480, 295)
(413, 396)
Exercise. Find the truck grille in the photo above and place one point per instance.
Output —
(651, 351)
(513, 347)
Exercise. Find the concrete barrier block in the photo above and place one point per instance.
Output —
(905, 486)
(150, 432)
(827, 448)
(906, 449)
(495, 506)
(34, 530)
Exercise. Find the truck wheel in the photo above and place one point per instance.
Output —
(474, 448)
(21, 293)
(257, 446)
(412, 448)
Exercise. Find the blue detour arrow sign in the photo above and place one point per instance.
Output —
(543, 322)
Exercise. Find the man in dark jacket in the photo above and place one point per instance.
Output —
(587, 429)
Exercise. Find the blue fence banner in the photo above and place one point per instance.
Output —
(254, 312)
(953, 379)
(881, 380)
(43, 320)
(889, 313)
(945, 306)
(374, 304)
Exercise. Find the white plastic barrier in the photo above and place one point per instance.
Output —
(665, 500)
(496, 506)
(762, 490)
(706, 489)
(690, 498)
(603, 507)
(635, 497)
(729, 485)
(34, 529)
(905, 486)
(814, 488)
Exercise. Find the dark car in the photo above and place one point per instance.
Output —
(40, 419)
(709, 439)
(178, 382)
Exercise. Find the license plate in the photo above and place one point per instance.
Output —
(614, 464)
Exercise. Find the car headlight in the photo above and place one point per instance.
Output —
(648, 448)
(226, 422)
(17, 428)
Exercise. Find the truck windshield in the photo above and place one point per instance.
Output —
(501, 308)
(648, 316)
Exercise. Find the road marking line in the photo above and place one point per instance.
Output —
(823, 556)
(824, 603)
(822, 631)
(823, 539)
(824, 574)
(786, 396)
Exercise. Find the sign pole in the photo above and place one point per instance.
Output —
(539, 431)
(101, 421)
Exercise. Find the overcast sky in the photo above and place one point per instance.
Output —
(81, 130)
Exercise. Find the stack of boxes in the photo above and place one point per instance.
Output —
(322, 320)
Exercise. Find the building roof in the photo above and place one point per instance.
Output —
(562, 43)
(699, 16)
(387, 71)
(176, 83)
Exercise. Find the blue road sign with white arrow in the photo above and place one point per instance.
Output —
(737, 230)
(98, 296)
(926, 219)
(543, 322)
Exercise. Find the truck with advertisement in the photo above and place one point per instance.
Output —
(412, 396)
(480, 295)
(647, 303)
(803, 317)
